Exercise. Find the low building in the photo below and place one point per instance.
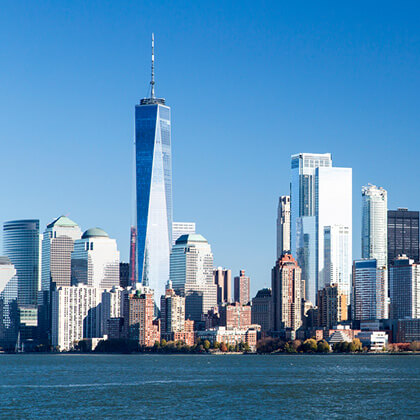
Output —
(408, 330)
(187, 335)
(374, 340)
(230, 336)
(235, 315)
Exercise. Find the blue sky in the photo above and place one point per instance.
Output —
(249, 83)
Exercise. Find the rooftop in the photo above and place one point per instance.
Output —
(191, 237)
(62, 221)
(95, 233)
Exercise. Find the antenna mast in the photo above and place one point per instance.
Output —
(152, 81)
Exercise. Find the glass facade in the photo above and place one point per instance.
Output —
(153, 193)
(21, 243)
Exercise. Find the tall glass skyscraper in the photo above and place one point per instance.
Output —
(21, 243)
(153, 190)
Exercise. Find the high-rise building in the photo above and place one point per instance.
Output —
(153, 190)
(242, 288)
(370, 290)
(261, 309)
(75, 315)
(337, 258)
(21, 243)
(403, 234)
(404, 286)
(124, 275)
(172, 311)
(181, 228)
(374, 224)
(283, 225)
(235, 315)
(332, 306)
(320, 196)
(191, 273)
(222, 278)
(8, 304)
(95, 260)
(111, 308)
(286, 286)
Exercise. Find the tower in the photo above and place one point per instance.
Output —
(153, 189)
(283, 225)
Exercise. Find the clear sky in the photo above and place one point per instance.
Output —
(249, 83)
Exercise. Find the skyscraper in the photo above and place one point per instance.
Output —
(222, 278)
(153, 189)
(242, 288)
(374, 224)
(181, 228)
(283, 225)
(21, 243)
(403, 234)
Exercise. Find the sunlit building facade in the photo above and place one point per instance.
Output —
(283, 225)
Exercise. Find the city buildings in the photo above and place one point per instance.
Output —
(191, 273)
(283, 225)
(332, 306)
(125, 275)
(403, 234)
(181, 228)
(21, 243)
(374, 224)
(370, 291)
(111, 308)
(153, 189)
(286, 286)
(242, 288)
(235, 315)
(222, 278)
(95, 260)
(261, 309)
(230, 336)
(404, 286)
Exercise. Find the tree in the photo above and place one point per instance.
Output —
(216, 345)
(163, 343)
(323, 347)
(206, 345)
(223, 347)
(310, 346)
(246, 348)
(355, 345)
(415, 346)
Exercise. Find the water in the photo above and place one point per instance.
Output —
(210, 387)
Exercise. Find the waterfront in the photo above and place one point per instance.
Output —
(231, 386)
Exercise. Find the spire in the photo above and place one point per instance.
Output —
(152, 81)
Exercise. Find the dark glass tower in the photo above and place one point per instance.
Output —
(403, 234)
(153, 190)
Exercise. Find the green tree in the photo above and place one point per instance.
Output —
(355, 345)
(310, 346)
(323, 347)
(163, 343)
(206, 345)
(216, 345)
(246, 348)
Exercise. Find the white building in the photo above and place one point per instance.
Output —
(181, 228)
(111, 307)
(75, 315)
(375, 340)
(95, 260)
(8, 298)
(337, 258)
(283, 225)
(191, 273)
(374, 224)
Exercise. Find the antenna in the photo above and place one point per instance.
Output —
(152, 81)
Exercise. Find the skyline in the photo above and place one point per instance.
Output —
(208, 138)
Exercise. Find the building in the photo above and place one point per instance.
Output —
(8, 304)
(332, 306)
(408, 330)
(191, 273)
(403, 234)
(261, 309)
(286, 286)
(139, 322)
(21, 243)
(230, 336)
(235, 315)
(404, 286)
(124, 275)
(75, 315)
(374, 224)
(95, 260)
(370, 291)
(337, 258)
(111, 308)
(321, 196)
(181, 228)
(153, 189)
(374, 340)
(222, 278)
(283, 225)
(242, 288)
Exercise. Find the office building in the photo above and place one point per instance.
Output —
(124, 275)
(403, 234)
(222, 278)
(75, 315)
(332, 306)
(374, 224)
(283, 226)
(181, 228)
(21, 243)
(404, 286)
(337, 258)
(242, 288)
(261, 309)
(95, 260)
(370, 291)
(172, 311)
(153, 190)
(286, 286)
(191, 273)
